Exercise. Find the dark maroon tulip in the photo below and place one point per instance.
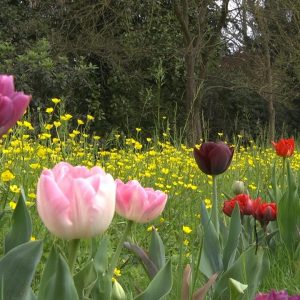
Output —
(213, 158)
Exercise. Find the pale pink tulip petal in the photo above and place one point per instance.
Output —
(52, 202)
(156, 205)
(74, 202)
(137, 203)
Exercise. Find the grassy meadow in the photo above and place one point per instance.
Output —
(155, 162)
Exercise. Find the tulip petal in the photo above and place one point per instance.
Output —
(7, 87)
(53, 207)
(155, 206)
(20, 101)
(74, 202)
(220, 158)
(137, 203)
(6, 110)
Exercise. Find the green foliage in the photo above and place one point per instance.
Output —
(157, 250)
(288, 213)
(160, 286)
(235, 229)
(21, 225)
(57, 281)
(17, 269)
(211, 255)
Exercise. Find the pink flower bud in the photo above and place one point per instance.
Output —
(12, 104)
(139, 204)
(75, 202)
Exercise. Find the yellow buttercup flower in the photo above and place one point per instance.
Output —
(7, 176)
(56, 100)
(12, 204)
(49, 110)
(66, 117)
(57, 123)
(186, 229)
(14, 188)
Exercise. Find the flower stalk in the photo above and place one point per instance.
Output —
(214, 211)
(73, 249)
(115, 258)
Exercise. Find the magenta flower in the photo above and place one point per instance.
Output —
(139, 204)
(75, 202)
(213, 158)
(12, 104)
(274, 295)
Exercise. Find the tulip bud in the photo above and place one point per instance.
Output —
(118, 292)
(238, 187)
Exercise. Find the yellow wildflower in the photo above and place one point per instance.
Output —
(49, 110)
(14, 188)
(7, 176)
(186, 229)
(56, 100)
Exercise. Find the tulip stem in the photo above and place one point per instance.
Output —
(214, 210)
(283, 173)
(73, 249)
(115, 258)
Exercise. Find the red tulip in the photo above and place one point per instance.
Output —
(246, 205)
(284, 147)
(213, 158)
(228, 207)
(265, 212)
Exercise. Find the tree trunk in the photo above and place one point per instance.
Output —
(269, 81)
(192, 101)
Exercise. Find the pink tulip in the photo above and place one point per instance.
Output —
(139, 204)
(12, 104)
(74, 202)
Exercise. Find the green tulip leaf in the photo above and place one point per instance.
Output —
(21, 225)
(85, 279)
(211, 254)
(103, 287)
(160, 286)
(275, 193)
(157, 250)
(101, 256)
(17, 268)
(249, 268)
(148, 264)
(235, 229)
(58, 282)
(288, 213)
